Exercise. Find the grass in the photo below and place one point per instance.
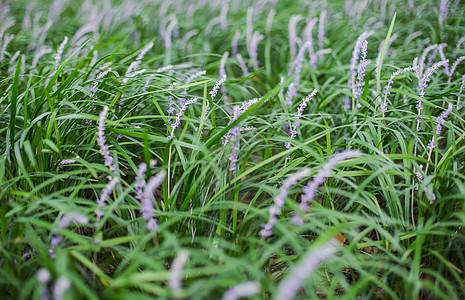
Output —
(399, 236)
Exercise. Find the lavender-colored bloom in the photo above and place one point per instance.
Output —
(37, 56)
(249, 22)
(169, 30)
(253, 50)
(319, 179)
(12, 65)
(224, 17)
(72, 217)
(164, 69)
(245, 289)
(59, 53)
(423, 58)
(411, 37)
(189, 80)
(140, 181)
(356, 52)
(390, 81)
(60, 287)
(43, 276)
(213, 93)
(222, 72)
(423, 83)
(300, 110)
(175, 280)
(136, 64)
(93, 88)
(236, 113)
(269, 21)
(296, 70)
(462, 86)
(361, 72)
(105, 194)
(186, 38)
(242, 64)
(148, 209)
(7, 24)
(438, 127)
(279, 199)
(443, 58)
(234, 138)
(460, 42)
(66, 219)
(289, 286)
(309, 38)
(234, 42)
(8, 38)
(321, 31)
(443, 10)
(455, 65)
(181, 111)
(293, 33)
(104, 150)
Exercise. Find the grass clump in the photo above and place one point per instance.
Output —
(262, 149)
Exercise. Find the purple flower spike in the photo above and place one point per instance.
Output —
(319, 179)
(104, 150)
(101, 202)
(181, 111)
(215, 89)
(245, 289)
(148, 209)
(289, 286)
(176, 270)
(361, 72)
(279, 199)
(390, 81)
(300, 110)
(93, 88)
(438, 127)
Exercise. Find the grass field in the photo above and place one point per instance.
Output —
(218, 150)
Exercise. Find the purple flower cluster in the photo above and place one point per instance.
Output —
(390, 81)
(455, 65)
(361, 73)
(93, 89)
(356, 52)
(234, 138)
(422, 84)
(438, 127)
(293, 33)
(215, 89)
(131, 71)
(104, 150)
(181, 111)
(253, 53)
(245, 289)
(300, 110)
(462, 86)
(191, 78)
(59, 53)
(101, 202)
(296, 70)
(176, 270)
(66, 219)
(279, 199)
(145, 194)
(236, 113)
(289, 286)
(319, 179)
(242, 64)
